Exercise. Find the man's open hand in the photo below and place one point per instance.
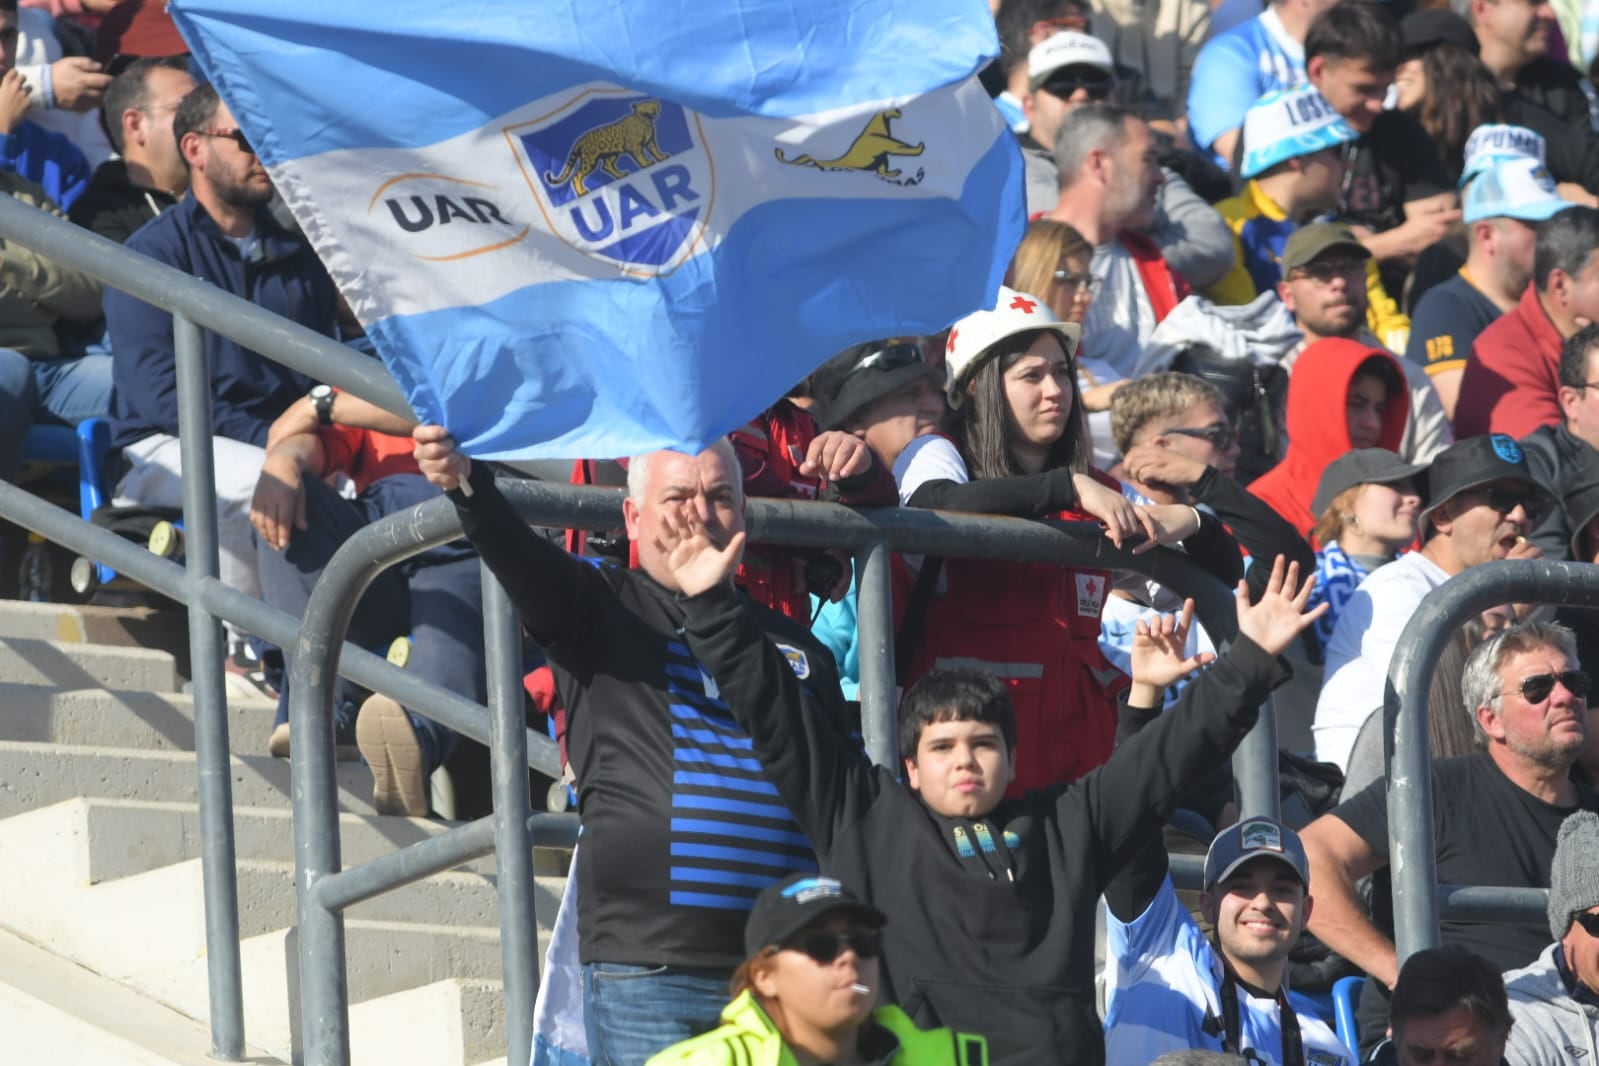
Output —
(693, 560)
(1160, 649)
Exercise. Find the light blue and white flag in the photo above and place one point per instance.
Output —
(598, 228)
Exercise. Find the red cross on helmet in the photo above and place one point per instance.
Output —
(974, 336)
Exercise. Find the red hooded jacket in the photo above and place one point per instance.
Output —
(1318, 428)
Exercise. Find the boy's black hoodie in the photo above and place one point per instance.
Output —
(967, 946)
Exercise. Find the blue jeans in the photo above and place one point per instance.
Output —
(436, 597)
(636, 1011)
(59, 391)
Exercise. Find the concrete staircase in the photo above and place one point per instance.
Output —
(102, 931)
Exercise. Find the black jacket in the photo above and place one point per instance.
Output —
(1552, 452)
(1553, 99)
(970, 945)
(113, 206)
(680, 828)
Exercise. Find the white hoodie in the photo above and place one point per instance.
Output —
(1550, 1027)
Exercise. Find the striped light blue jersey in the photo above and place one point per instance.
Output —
(1163, 993)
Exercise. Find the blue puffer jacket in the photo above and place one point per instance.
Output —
(248, 391)
(48, 159)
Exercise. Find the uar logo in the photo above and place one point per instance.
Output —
(441, 219)
(620, 177)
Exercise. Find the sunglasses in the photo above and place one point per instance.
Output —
(1098, 87)
(1075, 281)
(1325, 270)
(1506, 500)
(1220, 436)
(1588, 921)
(234, 134)
(824, 947)
(1539, 687)
(892, 356)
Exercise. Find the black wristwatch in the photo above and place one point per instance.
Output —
(322, 403)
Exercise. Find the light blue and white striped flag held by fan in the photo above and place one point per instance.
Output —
(597, 228)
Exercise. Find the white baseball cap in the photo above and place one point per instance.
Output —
(1014, 312)
(1496, 141)
(1287, 124)
(1510, 186)
(1067, 49)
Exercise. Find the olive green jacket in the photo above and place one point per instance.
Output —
(36, 292)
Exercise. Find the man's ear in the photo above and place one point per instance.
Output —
(1559, 287)
(913, 778)
(1315, 68)
(1285, 295)
(1488, 719)
(1207, 907)
(630, 518)
(1027, 107)
(132, 126)
(191, 148)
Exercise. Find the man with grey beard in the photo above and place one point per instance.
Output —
(1496, 812)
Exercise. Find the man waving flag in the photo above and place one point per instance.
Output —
(601, 228)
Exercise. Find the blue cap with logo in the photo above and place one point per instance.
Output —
(1495, 141)
(1516, 187)
(1287, 124)
(1254, 838)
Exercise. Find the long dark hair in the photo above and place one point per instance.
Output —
(1461, 95)
(983, 419)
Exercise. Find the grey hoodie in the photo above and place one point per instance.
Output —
(1550, 1027)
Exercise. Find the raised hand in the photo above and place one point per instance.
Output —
(694, 564)
(438, 459)
(1280, 616)
(1160, 646)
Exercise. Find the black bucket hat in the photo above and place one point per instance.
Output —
(857, 376)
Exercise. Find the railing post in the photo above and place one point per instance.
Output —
(875, 638)
(513, 841)
(1255, 768)
(210, 696)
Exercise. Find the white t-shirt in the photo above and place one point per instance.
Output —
(930, 458)
(1361, 646)
(1163, 983)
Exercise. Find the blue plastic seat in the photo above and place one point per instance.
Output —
(84, 447)
(1346, 994)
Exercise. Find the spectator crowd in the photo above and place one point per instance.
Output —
(1309, 293)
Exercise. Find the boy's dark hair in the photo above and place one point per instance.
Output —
(955, 694)
(1574, 356)
(1438, 980)
(1565, 243)
(1360, 29)
(194, 114)
(8, 7)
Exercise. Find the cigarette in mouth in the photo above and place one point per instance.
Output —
(861, 989)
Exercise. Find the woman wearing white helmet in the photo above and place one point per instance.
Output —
(1018, 445)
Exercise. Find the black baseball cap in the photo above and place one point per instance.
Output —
(1366, 466)
(785, 908)
(1473, 463)
(857, 376)
(1421, 30)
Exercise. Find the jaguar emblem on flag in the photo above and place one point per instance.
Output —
(620, 176)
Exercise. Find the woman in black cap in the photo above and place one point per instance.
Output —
(806, 994)
(1367, 507)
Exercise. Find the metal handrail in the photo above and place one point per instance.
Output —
(324, 889)
(1412, 850)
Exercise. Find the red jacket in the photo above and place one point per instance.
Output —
(1512, 380)
(1318, 429)
(1035, 627)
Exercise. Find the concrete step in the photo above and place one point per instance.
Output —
(36, 775)
(166, 628)
(63, 665)
(154, 721)
(447, 1023)
(384, 958)
(104, 839)
(53, 1011)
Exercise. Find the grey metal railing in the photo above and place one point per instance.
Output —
(324, 889)
(1418, 897)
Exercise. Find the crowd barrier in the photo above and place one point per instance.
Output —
(324, 888)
